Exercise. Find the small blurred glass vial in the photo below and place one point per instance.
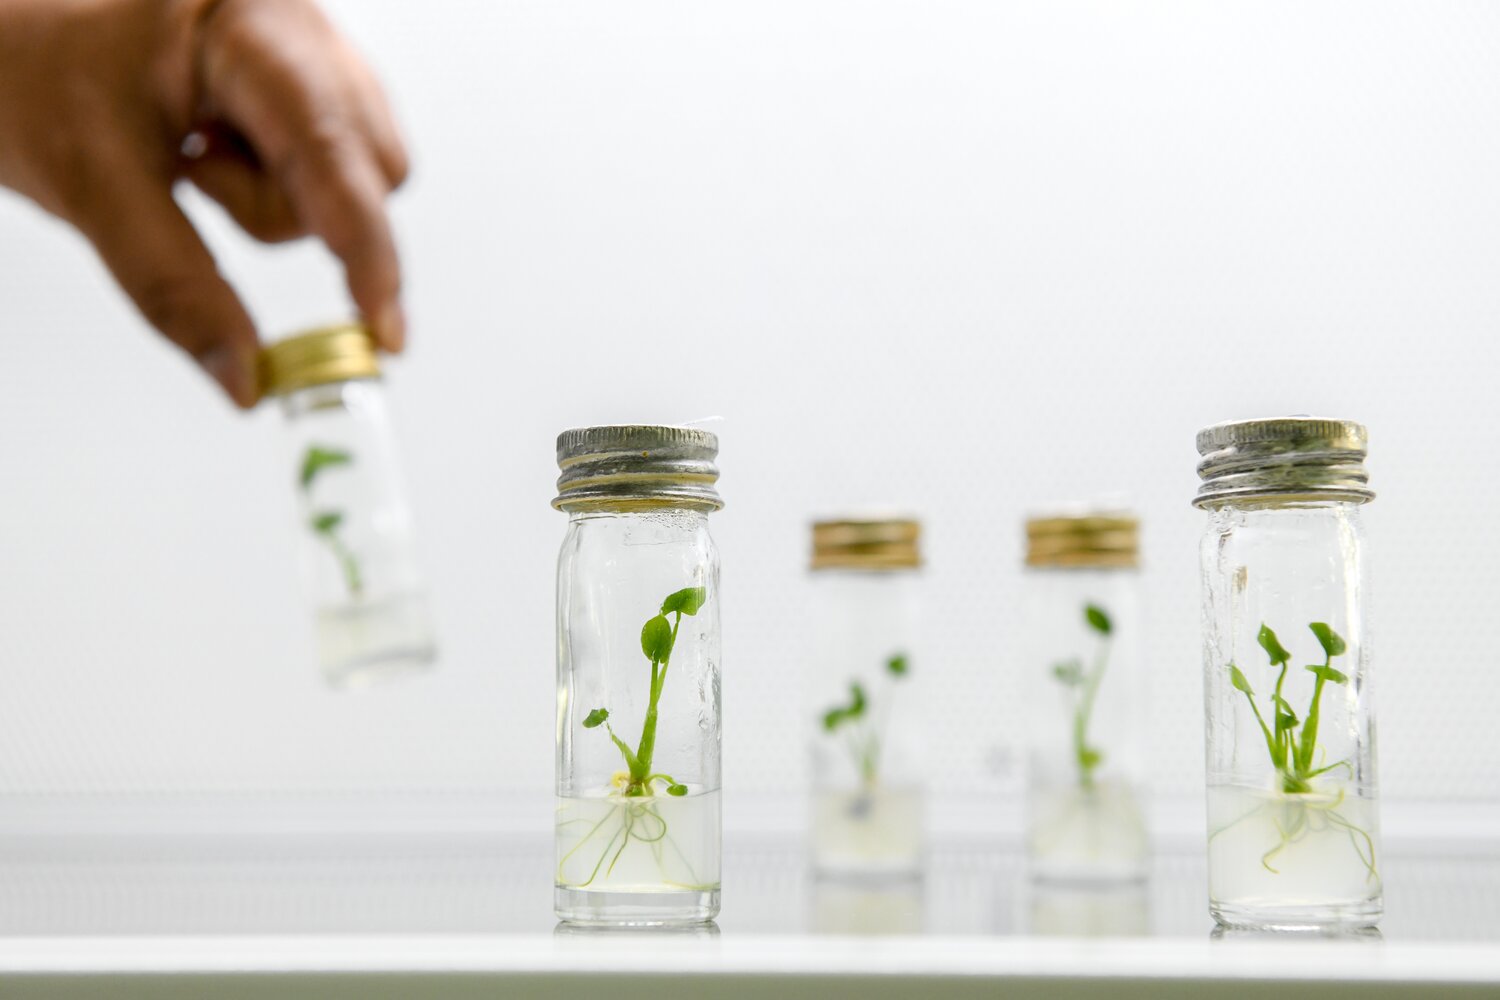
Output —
(1293, 796)
(1085, 692)
(865, 722)
(370, 600)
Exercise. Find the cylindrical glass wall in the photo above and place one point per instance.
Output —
(638, 711)
(357, 551)
(1086, 699)
(867, 788)
(1293, 826)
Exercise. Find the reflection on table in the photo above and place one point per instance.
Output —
(1062, 910)
(841, 906)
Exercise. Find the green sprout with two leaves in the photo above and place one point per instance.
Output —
(658, 638)
(325, 524)
(864, 740)
(1084, 685)
(1292, 752)
(1293, 745)
(638, 817)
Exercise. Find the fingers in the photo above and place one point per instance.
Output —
(278, 73)
(251, 198)
(222, 164)
(385, 135)
(340, 195)
(149, 245)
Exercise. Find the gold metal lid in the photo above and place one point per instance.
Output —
(867, 543)
(1283, 460)
(318, 357)
(1103, 540)
(635, 466)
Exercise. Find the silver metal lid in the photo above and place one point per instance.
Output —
(1283, 459)
(634, 466)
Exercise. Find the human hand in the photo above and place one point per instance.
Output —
(106, 104)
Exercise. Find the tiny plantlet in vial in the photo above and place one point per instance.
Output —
(1292, 743)
(325, 524)
(1084, 687)
(857, 721)
(635, 815)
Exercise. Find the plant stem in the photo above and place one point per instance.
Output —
(640, 766)
(869, 761)
(350, 564)
(1087, 757)
(1271, 743)
(1310, 726)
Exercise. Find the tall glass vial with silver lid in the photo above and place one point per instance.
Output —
(1085, 697)
(1293, 828)
(358, 556)
(638, 730)
(867, 794)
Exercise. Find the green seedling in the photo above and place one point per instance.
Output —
(658, 639)
(639, 818)
(325, 523)
(1293, 743)
(317, 458)
(1293, 752)
(1084, 686)
(856, 719)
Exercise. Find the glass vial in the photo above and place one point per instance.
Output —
(867, 794)
(1085, 692)
(1293, 830)
(370, 600)
(638, 731)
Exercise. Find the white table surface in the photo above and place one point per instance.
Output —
(334, 913)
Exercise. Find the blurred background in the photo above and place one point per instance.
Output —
(970, 260)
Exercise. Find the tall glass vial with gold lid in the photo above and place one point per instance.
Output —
(370, 599)
(638, 716)
(867, 789)
(1085, 698)
(1293, 827)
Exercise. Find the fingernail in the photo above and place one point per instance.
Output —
(390, 327)
(232, 370)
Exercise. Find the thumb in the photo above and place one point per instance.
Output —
(161, 262)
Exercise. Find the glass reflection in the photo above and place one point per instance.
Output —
(1353, 934)
(1059, 910)
(566, 929)
(866, 908)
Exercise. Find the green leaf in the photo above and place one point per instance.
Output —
(1089, 758)
(1069, 672)
(835, 717)
(1286, 718)
(595, 718)
(1327, 674)
(857, 706)
(1237, 678)
(1272, 645)
(688, 601)
(656, 639)
(1333, 644)
(1097, 619)
(897, 665)
(324, 522)
(677, 790)
(319, 458)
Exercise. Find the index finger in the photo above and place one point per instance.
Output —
(279, 73)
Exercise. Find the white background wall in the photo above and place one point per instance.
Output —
(967, 258)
